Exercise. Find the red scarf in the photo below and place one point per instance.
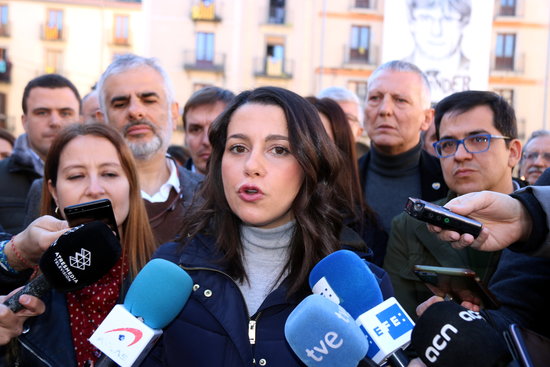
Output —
(89, 306)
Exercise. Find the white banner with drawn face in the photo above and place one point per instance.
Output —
(450, 40)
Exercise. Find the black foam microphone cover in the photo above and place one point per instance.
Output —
(78, 258)
(449, 335)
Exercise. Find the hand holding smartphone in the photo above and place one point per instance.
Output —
(101, 210)
(459, 284)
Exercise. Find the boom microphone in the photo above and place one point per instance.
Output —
(323, 334)
(346, 279)
(79, 257)
(449, 335)
(155, 298)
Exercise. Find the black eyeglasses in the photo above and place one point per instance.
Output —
(478, 143)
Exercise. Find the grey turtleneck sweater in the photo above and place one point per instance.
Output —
(391, 180)
(264, 256)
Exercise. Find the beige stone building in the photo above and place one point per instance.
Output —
(309, 45)
(76, 38)
(302, 45)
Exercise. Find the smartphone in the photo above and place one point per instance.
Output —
(458, 284)
(528, 348)
(101, 210)
(442, 217)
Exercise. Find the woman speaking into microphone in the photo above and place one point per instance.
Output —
(271, 211)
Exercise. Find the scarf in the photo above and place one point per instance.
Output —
(89, 306)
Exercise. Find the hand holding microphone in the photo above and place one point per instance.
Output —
(11, 324)
(155, 298)
(35, 240)
(78, 258)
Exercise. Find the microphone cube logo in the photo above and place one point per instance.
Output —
(388, 325)
(394, 321)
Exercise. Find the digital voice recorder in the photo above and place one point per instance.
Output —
(442, 217)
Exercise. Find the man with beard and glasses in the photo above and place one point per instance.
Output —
(136, 97)
(477, 146)
(536, 156)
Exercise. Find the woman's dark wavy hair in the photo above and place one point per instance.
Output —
(349, 182)
(316, 208)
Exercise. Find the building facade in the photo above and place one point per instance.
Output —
(76, 38)
(301, 45)
(309, 45)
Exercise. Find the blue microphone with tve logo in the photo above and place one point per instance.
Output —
(323, 334)
(345, 278)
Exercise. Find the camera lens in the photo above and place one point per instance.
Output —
(418, 207)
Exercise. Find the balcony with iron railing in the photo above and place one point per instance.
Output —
(514, 10)
(5, 29)
(121, 40)
(203, 12)
(53, 33)
(275, 16)
(363, 5)
(508, 66)
(361, 56)
(271, 67)
(215, 64)
(5, 71)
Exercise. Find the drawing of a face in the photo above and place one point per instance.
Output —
(437, 26)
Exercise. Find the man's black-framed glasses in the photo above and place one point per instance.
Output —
(478, 143)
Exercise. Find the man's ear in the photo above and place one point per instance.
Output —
(175, 115)
(24, 122)
(514, 146)
(99, 116)
(428, 119)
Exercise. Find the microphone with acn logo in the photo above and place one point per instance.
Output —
(323, 334)
(155, 298)
(449, 335)
(79, 257)
(346, 279)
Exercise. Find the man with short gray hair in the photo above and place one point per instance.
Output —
(136, 98)
(397, 109)
(351, 105)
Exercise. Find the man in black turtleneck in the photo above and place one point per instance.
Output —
(397, 109)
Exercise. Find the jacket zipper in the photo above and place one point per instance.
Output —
(34, 354)
(252, 322)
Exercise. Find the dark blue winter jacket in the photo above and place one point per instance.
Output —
(521, 283)
(214, 327)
